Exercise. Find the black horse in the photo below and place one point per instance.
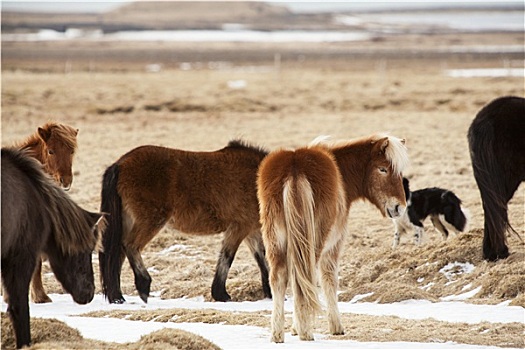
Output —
(39, 218)
(497, 150)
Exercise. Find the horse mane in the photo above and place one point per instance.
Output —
(241, 144)
(396, 152)
(71, 226)
(66, 133)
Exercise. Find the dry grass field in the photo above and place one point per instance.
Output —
(121, 107)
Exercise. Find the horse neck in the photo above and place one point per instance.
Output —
(352, 162)
(36, 148)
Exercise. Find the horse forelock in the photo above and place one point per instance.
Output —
(396, 153)
(66, 133)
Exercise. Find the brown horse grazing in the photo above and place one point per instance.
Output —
(199, 193)
(497, 149)
(305, 196)
(54, 146)
(39, 218)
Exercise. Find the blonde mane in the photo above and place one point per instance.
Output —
(396, 151)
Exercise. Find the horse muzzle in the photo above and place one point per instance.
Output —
(84, 297)
(395, 211)
(65, 183)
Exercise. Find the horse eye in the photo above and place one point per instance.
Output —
(383, 170)
(51, 152)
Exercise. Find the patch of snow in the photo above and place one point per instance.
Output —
(463, 296)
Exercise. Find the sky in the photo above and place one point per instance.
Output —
(299, 6)
(249, 337)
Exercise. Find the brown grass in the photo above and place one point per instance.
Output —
(119, 109)
(54, 334)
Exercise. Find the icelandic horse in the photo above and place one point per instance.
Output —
(54, 145)
(305, 197)
(40, 218)
(200, 193)
(496, 140)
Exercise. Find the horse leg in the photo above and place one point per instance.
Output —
(255, 243)
(16, 276)
(278, 283)
(495, 208)
(116, 297)
(329, 266)
(230, 244)
(38, 294)
(438, 225)
(142, 277)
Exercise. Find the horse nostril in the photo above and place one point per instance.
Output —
(397, 208)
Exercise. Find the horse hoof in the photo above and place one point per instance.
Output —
(222, 297)
(42, 300)
(120, 300)
(144, 297)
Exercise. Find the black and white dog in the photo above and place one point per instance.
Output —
(443, 207)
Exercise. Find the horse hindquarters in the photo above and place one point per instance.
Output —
(496, 146)
(289, 235)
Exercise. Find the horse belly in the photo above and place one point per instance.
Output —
(196, 221)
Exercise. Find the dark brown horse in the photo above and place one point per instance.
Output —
(305, 196)
(199, 193)
(53, 145)
(497, 149)
(39, 218)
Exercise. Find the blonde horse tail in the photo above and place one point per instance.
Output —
(300, 227)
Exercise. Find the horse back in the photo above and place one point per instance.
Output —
(202, 192)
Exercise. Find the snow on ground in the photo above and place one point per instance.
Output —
(242, 337)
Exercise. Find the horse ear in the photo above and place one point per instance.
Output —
(384, 144)
(403, 141)
(44, 134)
(76, 132)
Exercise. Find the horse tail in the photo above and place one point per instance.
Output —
(299, 217)
(110, 256)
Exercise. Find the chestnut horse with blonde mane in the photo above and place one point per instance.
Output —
(305, 197)
(200, 193)
(53, 145)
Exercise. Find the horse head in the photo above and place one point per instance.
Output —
(60, 144)
(73, 267)
(384, 175)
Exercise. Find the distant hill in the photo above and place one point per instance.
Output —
(173, 15)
